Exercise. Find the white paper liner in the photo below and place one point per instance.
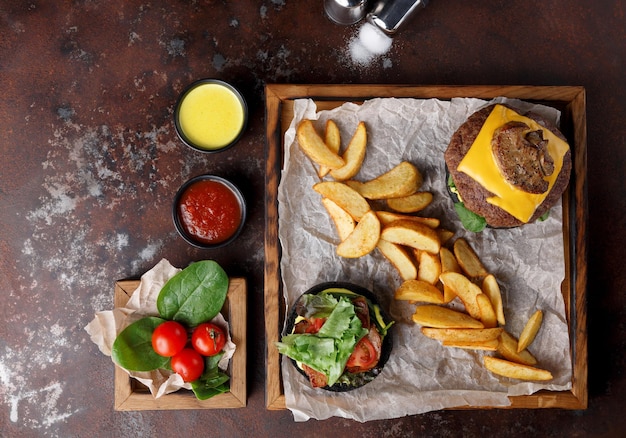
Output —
(420, 375)
(106, 325)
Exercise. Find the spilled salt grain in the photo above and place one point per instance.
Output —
(374, 39)
(369, 43)
(359, 53)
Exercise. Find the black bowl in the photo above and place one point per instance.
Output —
(363, 377)
(181, 133)
(179, 225)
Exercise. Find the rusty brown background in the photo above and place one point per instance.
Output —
(90, 163)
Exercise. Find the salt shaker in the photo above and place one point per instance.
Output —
(346, 11)
(389, 15)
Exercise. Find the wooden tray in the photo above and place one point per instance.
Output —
(131, 395)
(571, 102)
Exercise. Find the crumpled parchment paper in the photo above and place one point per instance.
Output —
(106, 325)
(421, 375)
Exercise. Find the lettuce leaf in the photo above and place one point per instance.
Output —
(328, 350)
(318, 305)
(470, 220)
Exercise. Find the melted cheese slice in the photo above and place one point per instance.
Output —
(480, 164)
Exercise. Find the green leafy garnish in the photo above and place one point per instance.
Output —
(383, 327)
(213, 381)
(328, 350)
(132, 349)
(470, 220)
(453, 190)
(545, 216)
(194, 295)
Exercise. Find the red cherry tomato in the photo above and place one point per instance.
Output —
(169, 338)
(189, 364)
(208, 339)
(363, 358)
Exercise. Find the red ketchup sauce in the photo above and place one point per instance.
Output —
(209, 212)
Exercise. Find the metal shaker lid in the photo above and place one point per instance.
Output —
(346, 11)
(389, 15)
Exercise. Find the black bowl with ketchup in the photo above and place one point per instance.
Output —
(209, 211)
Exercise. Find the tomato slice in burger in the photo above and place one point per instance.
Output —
(315, 324)
(363, 358)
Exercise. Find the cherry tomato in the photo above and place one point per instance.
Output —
(363, 358)
(188, 363)
(208, 339)
(169, 338)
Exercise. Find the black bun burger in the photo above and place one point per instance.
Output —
(506, 169)
(337, 336)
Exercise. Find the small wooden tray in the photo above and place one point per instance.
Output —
(131, 395)
(570, 100)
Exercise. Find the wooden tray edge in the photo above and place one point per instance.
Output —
(575, 100)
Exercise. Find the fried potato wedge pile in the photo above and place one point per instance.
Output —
(457, 274)
(361, 228)
(315, 147)
(439, 275)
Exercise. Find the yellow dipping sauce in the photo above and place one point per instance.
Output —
(211, 116)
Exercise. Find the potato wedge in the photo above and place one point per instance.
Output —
(448, 264)
(402, 180)
(448, 294)
(413, 234)
(411, 203)
(508, 349)
(346, 198)
(429, 267)
(515, 370)
(344, 223)
(399, 258)
(353, 155)
(448, 261)
(468, 260)
(356, 185)
(314, 146)
(530, 330)
(469, 345)
(430, 315)
(487, 314)
(332, 138)
(464, 289)
(418, 291)
(462, 335)
(444, 235)
(491, 288)
(363, 239)
(387, 217)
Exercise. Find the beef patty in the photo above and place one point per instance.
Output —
(528, 178)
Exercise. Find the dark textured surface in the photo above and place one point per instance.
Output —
(91, 162)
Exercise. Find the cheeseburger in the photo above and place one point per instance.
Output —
(506, 169)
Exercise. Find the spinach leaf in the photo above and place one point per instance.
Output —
(212, 382)
(204, 392)
(132, 348)
(194, 295)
